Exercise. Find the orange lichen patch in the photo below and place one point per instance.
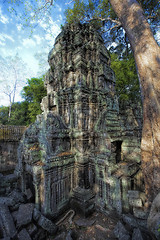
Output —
(39, 163)
(64, 154)
(123, 163)
(35, 147)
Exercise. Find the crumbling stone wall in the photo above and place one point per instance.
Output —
(82, 151)
(9, 141)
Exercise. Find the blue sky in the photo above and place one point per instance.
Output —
(14, 39)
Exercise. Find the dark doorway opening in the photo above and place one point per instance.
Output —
(30, 185)
(117, 149)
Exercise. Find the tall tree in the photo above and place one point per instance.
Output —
(13, 72)
(147, 57)
(33, 94)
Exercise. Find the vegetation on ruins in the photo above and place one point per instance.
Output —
(25, 112)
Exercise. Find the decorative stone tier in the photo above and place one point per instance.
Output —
(81, 151)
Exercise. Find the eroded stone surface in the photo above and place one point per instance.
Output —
(137, 235)
(7, 223)
(23, 235)
(83, 141)
(120, 232)
(47, 225)
(25, 213)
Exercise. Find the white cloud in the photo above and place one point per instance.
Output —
(43, 25)
(27, 42)
(55, 30)
(2, 43)
(4, 37)
(38, 39)
(58, 8)
(19, 27)
(3, 19)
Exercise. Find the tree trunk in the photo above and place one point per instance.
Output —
(147, 57)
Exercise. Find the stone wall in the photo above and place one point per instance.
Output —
(9, 141)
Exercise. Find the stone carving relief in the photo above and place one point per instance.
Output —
(80, 148)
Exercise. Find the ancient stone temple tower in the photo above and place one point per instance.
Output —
(81, 152)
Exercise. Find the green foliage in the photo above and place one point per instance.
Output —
(19, 114)
(3, 115)
(24, 113)
(34, 91)
(127, 83)
(33, 94)
(101, 14)
(77, 13)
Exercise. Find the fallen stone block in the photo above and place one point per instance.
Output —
(47, 224)
(137, 235)
(25, 213)
(14, 215)
(69, 237)
(10, 178)
(2, 230)
(29, 194)
(7, 201)
(120, 232)
(7, 221)
(133, 194)
(130, 220)
(31, 229)
(40, 235)
(135, 202)
(142, 222)
(17, 196)
(36, 214)
(84, 222)
(60, 236)
(140, 213)
(23, 235)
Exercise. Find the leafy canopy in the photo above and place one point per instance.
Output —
(101, 14)
(34, 91)
(127, 83)
(25, 112)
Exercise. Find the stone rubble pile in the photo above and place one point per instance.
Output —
(20, 219)
(129, 228)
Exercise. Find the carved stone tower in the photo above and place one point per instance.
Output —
(79, 85)
(75, 147)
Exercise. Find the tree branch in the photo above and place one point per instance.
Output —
(69, 2)
(105, 20)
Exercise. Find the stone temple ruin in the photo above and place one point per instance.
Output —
(83, 151)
